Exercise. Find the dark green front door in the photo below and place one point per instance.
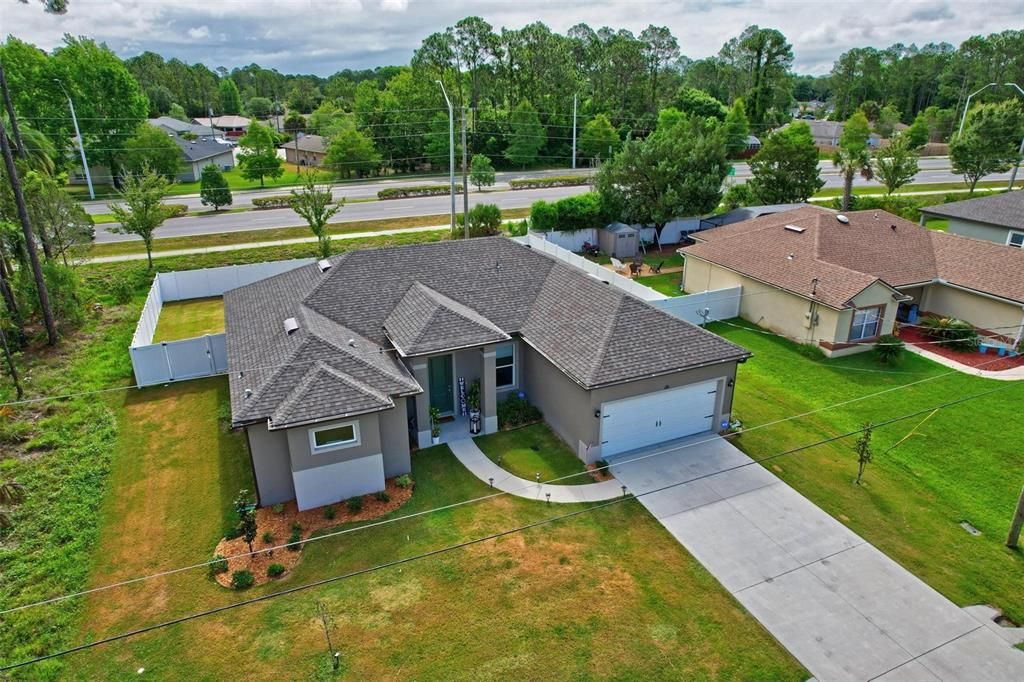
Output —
(442, 396)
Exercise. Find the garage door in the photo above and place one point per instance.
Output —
(652, 418)
(335, 482)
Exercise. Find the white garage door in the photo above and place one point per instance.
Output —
(335, 482)
(652, 418)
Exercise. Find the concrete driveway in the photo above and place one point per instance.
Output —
(841, 607)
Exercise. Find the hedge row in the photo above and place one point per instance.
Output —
(275, 201)
(416, 191)
(554, 181)
(579, 212)
(176, 210)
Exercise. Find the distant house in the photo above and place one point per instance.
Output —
(199, 153)
(229, 126)
(826, 134)
(173, 125)
(997, 218)
(308, 150)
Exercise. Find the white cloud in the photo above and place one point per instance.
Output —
(199, 32)
(394, 5)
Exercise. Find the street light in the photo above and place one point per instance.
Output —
(967, 106)
(78, 134)
(1020, 151)
(451, 149)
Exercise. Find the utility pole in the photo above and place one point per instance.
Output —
(78, 134)
(465, 179)
(1015, 525)
(9, 105)
(30, 240)
(574, 131)
(451, 148)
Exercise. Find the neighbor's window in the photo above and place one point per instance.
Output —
(865, 323)
(505, 365)
(332, 437)
(1016, 239)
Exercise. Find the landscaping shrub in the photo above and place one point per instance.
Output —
(275, 570)
(219, 565)
(516, 410)
(581, 212)
(552, 181)
(601, 464)
(294, 541)
(416, 191)
(383, 496)
(811, 351)
(403, 481)
(242, 579)
(889, 348)
(543, 216)
(268, 538)
(275, 201)
(278, 509)
(296, 527)
(951, 333)
(518, 228)
(329, 512)
(175, 210)
(354, 504)
(484, 221)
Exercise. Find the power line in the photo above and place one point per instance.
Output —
(479, 540)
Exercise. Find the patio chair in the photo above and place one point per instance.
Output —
(634, 269)
(618, 266)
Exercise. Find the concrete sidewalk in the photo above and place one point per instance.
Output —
(844, 609)
(466, 451)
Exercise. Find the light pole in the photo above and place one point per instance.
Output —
(451, 148)
(574, 131)
(78, 134)
(1020, 151)
(967, 105)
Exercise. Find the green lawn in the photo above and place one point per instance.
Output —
(667, 283)
(917, 187)
(941, 224)
(964, 463)
(188, 319)
(669, 257)
(532, 449)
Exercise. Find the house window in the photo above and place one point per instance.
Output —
(865, 323)
(1016, 239)
(505, 365)
(334, 437)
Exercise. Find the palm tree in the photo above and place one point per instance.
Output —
(853, 155)
(11, 492)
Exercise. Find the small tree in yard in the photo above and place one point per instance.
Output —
(785, 169)
(213, 188)
(327, 623)
(246, 517)
(863, 449)
(854, 155)
(316, 206)
(484, 221)
(258, 157)
(896, 164)
(989, 143)
(142, 211)
(481, 171)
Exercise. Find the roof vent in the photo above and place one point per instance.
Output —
(796, 228)
(843, 219)
(323, 265)
(291, 325)
(791, 256)
(352, 343)
(248, 393)
(893, 226)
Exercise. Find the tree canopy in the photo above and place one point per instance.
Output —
(152, 147)
(785, 169)
(258, 157)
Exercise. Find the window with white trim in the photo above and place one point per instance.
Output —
(1016, 239)
(865, 323)
(505, 365)
(334, 437)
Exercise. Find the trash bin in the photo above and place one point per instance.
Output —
(474, 422)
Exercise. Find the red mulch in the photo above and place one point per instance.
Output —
(989, 361)
(280, 527)
(598, 475)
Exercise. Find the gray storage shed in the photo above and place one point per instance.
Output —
(619, 240)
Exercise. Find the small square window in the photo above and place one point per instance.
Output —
(505, 365)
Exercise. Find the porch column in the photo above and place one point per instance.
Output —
(488, 398)
(419, 371)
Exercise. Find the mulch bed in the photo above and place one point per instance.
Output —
(280, 527)
(989, 361)
(599, 475)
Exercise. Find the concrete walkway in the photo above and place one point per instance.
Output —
(1015, 374)
(466, 451)
(844, 609)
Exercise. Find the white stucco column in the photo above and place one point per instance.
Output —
(488, 397)
(419, 371)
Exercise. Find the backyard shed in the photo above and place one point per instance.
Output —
(619, 240)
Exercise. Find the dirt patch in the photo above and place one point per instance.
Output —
(280, 525)
(599, 474)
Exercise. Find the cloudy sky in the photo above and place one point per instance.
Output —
(310, 36)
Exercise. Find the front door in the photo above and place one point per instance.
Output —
(442, 395)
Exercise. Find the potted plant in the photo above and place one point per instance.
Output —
(435, 425)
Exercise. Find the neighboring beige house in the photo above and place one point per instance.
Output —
(308, 150)
(230, 126)
(840, 282)
(996, 218)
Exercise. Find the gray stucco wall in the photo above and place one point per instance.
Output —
(303, 458)
(269, 450)
(394, 439)
(969, 228)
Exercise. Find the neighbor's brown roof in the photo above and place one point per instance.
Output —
(847, 258)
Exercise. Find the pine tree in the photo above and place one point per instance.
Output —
(527, 136)
(213, 188)
(737, 128)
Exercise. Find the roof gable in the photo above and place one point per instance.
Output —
(425, 321)
(319, 389)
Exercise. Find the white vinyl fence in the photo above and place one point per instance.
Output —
(571, 241)
(158, 363)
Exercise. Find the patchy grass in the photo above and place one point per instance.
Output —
(879, 189)
(188, 319)
(531, 450)
(963, 463)
(667, 283)
(669, 256)
(941, 224)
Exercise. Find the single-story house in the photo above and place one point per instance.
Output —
(306, 150)
(996, 218)
(826, 134)
(198, 153)
(335, 367)
(840, 281)
(230, 125)
(173, 125)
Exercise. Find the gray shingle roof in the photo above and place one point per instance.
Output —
(203, 148)
(439, 296)
(1004, 210)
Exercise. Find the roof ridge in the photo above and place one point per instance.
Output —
(280, 369)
